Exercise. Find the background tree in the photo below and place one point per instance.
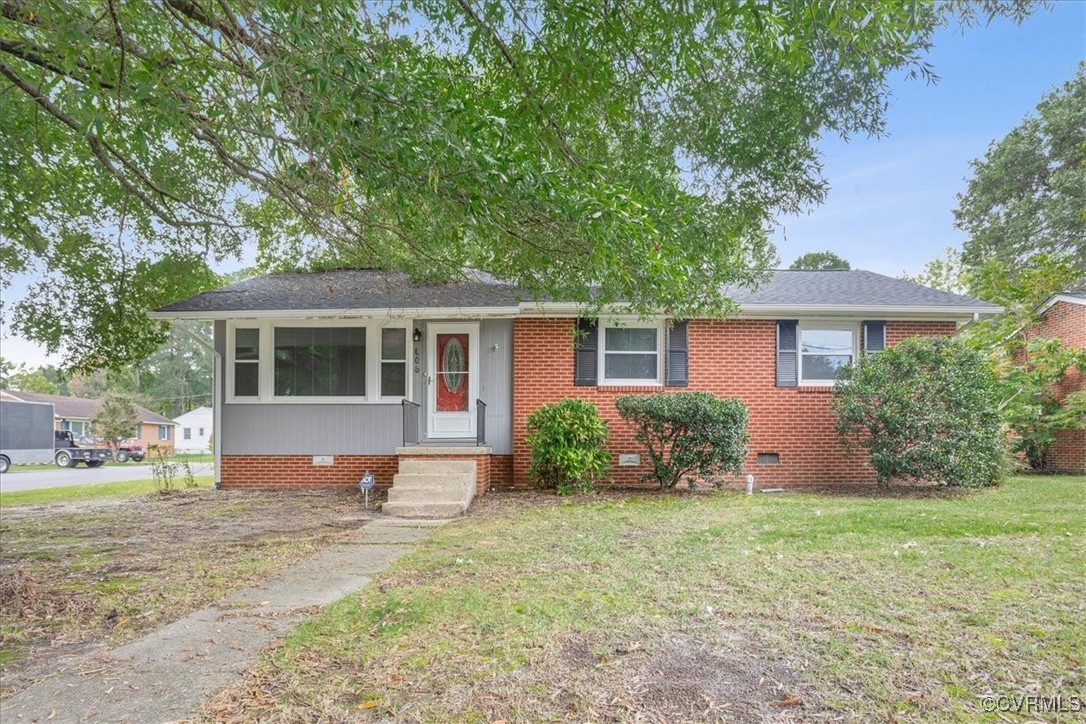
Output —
(1028, 194)
(820, 261)
(552, 143)
(948, 273)
(116, 419)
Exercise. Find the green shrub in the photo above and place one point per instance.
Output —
(691, 435)
(924, 410)
(567, 441)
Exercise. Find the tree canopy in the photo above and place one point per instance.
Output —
(1028, 194)
(820, 261)
(630, 146)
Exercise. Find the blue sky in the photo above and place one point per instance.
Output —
(890, 207)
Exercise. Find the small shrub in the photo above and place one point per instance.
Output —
(163, 470)
(567, 441)
(924, 410)
(691, 435)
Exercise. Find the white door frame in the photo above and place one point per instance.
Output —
(451, 424)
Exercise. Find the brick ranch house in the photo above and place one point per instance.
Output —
(75, 415)
(322, 376)
(1063, 317)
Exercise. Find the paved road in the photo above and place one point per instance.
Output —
(108, 473)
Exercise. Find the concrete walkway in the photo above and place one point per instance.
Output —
(166, 675)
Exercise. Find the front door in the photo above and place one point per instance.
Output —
(452, 378)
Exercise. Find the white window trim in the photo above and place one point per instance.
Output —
(601, 344)
(853, 327)
(266, 371)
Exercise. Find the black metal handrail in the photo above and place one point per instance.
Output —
(410, 422)
(480, 423)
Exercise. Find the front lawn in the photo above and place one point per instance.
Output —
(718, 606)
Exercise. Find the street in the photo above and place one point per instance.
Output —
(108, 473)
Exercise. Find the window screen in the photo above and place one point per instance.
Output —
(320, 361)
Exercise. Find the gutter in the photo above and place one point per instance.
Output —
(216, 401)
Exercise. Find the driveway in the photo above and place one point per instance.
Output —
(108, 473)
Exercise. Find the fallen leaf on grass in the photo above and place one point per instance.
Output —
(790, 701)
(371, 704)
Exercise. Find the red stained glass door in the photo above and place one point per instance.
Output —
(452, 366)
(453, 373)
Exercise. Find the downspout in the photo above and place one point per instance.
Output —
(216, 404)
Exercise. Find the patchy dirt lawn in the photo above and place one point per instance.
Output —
(79, 576)
(846, 606)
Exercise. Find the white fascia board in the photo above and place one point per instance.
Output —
(1056, 298)
(778, 311)
(399, 313)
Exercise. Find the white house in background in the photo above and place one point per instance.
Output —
(194, 430)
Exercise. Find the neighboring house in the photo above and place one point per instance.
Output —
(322, 376)
(1063, 317)
(76, 414)
(194, 430)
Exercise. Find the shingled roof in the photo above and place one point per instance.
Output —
(375, 290)
(80, 408)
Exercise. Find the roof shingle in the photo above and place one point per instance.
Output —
(370, 289)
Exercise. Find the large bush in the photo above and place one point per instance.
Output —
(924, 410)
(567, 441)
(690, 435)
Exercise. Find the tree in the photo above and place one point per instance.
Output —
(948, 273)
(116, 418)
(554, 144)
(33, 381)
(820, 261)
(177, 377)
(924, 409)
(1028, 193)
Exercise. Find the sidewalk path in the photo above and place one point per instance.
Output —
(166, 675)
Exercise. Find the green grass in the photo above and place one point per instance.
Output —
(869, 608)
(92, 491)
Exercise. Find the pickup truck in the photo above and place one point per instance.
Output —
(67, 454)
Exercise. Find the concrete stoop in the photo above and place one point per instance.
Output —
(431, 488)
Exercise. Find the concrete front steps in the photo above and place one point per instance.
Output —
(431, 488)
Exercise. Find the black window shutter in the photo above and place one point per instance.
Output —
(585, 347)
(874, 336)
(787, 353)
(678, 355)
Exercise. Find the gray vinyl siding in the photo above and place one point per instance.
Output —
(368, 429)
(496, 382)
(311, 429)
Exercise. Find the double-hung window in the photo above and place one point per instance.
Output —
(824, 349)
(631, 354)
(187, 433)
(247, 362)
(163, 432)
(393, 362)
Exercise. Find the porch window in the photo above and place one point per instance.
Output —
(631, 354)
(824, 350)
(320, 361)
(393, 362)
(246, 362)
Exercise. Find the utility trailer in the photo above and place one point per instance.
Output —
(26, 433)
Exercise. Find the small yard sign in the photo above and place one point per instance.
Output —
(366, 483)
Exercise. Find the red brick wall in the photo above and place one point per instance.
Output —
(298, 471)
(1067, 321)
(735, 358)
